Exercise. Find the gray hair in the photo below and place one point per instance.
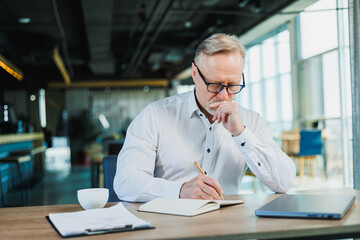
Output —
(219, 43)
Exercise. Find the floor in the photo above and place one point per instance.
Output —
(56, 187)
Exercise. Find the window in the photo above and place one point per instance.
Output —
(269, 88)
(318, 28)
(325, 83)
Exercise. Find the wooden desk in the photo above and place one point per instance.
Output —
(228, 223)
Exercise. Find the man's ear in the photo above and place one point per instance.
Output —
(193, 72)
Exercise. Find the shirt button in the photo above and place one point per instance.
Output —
(243, 144)
(208, 150)
(210, 128)
(201, 115)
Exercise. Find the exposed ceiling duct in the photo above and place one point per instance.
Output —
(118, 40)
(98, 15)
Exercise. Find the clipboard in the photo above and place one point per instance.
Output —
(96, 221)
(99, 231)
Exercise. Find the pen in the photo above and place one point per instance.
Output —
(108, 230)
(203, 173)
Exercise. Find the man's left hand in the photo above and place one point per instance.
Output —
(228, 113)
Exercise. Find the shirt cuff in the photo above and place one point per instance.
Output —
(246, 141)
(172, 189)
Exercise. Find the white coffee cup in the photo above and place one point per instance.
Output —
(91, 198)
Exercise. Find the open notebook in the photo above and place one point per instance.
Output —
(184, 207)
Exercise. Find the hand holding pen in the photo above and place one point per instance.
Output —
(201, 187)
(204, 173)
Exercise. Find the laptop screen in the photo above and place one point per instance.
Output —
(307, 206)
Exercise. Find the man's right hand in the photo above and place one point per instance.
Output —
(201, 187)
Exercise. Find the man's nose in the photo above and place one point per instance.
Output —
(223, 95)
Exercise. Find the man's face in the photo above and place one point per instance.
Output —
(224, 68)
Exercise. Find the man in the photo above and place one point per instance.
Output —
(206, 126)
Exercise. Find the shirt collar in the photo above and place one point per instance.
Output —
(193, 107)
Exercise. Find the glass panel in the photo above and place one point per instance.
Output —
(321, 5)
(347, 81)
(318, 29)
(283, 37)
(286, 98)
(331, 84)
(256, 98)
(268, 58)
(121, 106)
(270, 100)
(284, 52)
(345, 27)
(254, 64)
(332, 154)
(243, 98)
(311, 89)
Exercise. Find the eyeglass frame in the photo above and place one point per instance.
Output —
(242, 86)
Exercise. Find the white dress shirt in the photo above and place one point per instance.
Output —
(165, 139)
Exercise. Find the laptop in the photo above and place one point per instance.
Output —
(307, 206)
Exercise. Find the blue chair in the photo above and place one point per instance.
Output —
(310, 146)
(109, 166)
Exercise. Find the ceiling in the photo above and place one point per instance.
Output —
(116, 40)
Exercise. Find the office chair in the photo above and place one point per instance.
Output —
(290, 142)
(109, 166)
(310, 147)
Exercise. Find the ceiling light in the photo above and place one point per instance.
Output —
(188, 24)
(24, 20)
(146, 89)
(104, 122)
(61, 66)
(42, 108)
(10, 68)
(32, 97)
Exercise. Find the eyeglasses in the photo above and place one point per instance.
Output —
(218, 87)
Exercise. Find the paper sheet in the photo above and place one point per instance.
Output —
(76, 223)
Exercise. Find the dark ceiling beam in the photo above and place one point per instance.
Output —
(142, 39)
(153, 38)
(239, 12)
(61, 66)
(62, 38)
(98, 23)
(276, 11)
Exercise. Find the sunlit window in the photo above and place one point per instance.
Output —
(324, 81)
(254, 67)
(318, 28)
(269, 88)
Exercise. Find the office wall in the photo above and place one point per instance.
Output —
(18, 100)
(23, 108)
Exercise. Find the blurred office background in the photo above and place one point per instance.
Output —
(75, 73)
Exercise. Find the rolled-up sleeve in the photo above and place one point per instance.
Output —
(264, 157)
